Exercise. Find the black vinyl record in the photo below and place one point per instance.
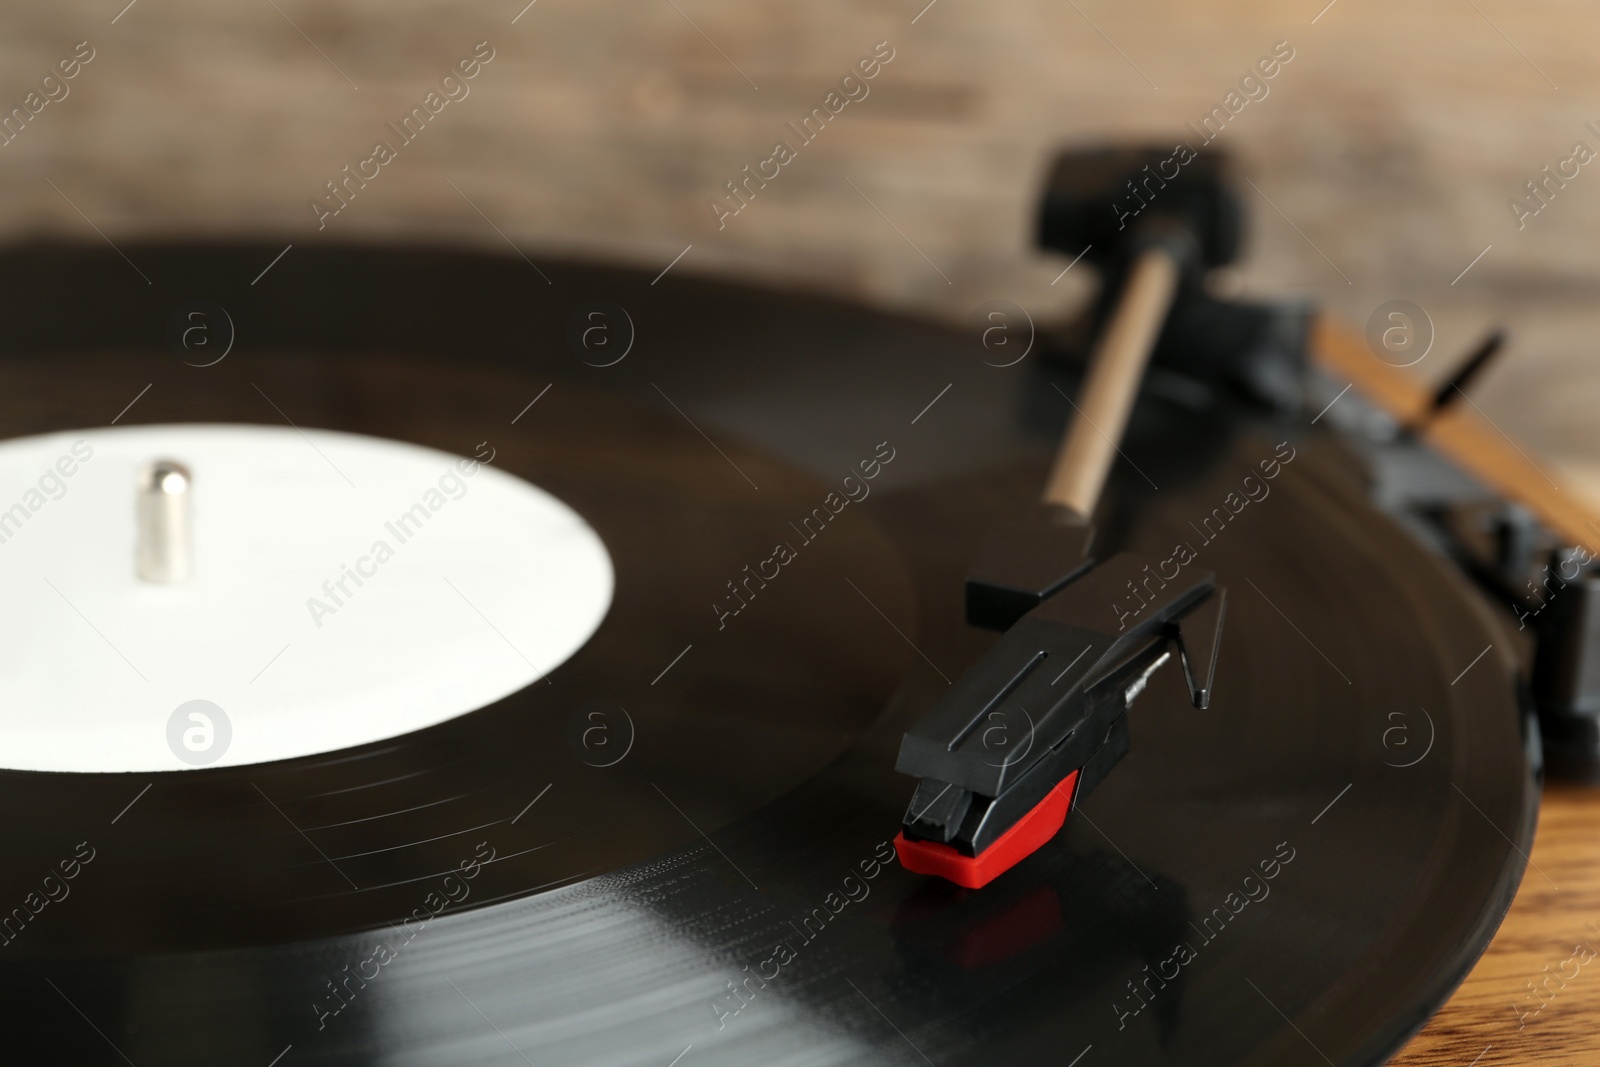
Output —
(1303, 871)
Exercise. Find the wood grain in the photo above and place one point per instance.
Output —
(1381, 160)
(1535, 994)
(1496, 1014)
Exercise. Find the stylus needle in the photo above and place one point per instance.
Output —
(1040, 719)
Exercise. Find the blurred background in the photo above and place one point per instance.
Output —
(1383, 155)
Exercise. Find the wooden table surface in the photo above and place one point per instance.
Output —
(1549, 943)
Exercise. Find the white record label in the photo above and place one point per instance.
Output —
(344, 590)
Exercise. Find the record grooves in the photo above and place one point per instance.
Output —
(724, 885)
(231, 848)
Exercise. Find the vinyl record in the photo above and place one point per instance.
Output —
(1302, 871)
